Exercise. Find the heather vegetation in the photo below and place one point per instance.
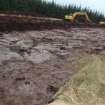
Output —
(43, 8)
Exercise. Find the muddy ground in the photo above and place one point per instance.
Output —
(34, 64)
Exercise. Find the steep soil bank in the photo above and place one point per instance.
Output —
(10, 22)
(18, 22)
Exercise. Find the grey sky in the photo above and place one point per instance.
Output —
(98, 5)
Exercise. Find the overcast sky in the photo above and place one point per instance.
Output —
(98, 5)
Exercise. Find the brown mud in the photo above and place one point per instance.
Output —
(35, 63)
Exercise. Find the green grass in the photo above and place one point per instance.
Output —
(42, 8)
(87, 86)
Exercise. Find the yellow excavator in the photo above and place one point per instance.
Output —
(102, 24)
(82, 18)
(78, 18)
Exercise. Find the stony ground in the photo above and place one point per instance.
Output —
(34, 64)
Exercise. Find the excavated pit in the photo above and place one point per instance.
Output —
(35, 64)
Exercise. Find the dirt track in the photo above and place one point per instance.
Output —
(34, 64)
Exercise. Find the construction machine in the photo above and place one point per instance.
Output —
(78, 18)
(102, 24)
(82, 19)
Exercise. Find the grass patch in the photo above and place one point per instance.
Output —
(87, 87)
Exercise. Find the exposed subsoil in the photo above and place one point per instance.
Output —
(35, 64)
(9, 22)
(21, 22)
